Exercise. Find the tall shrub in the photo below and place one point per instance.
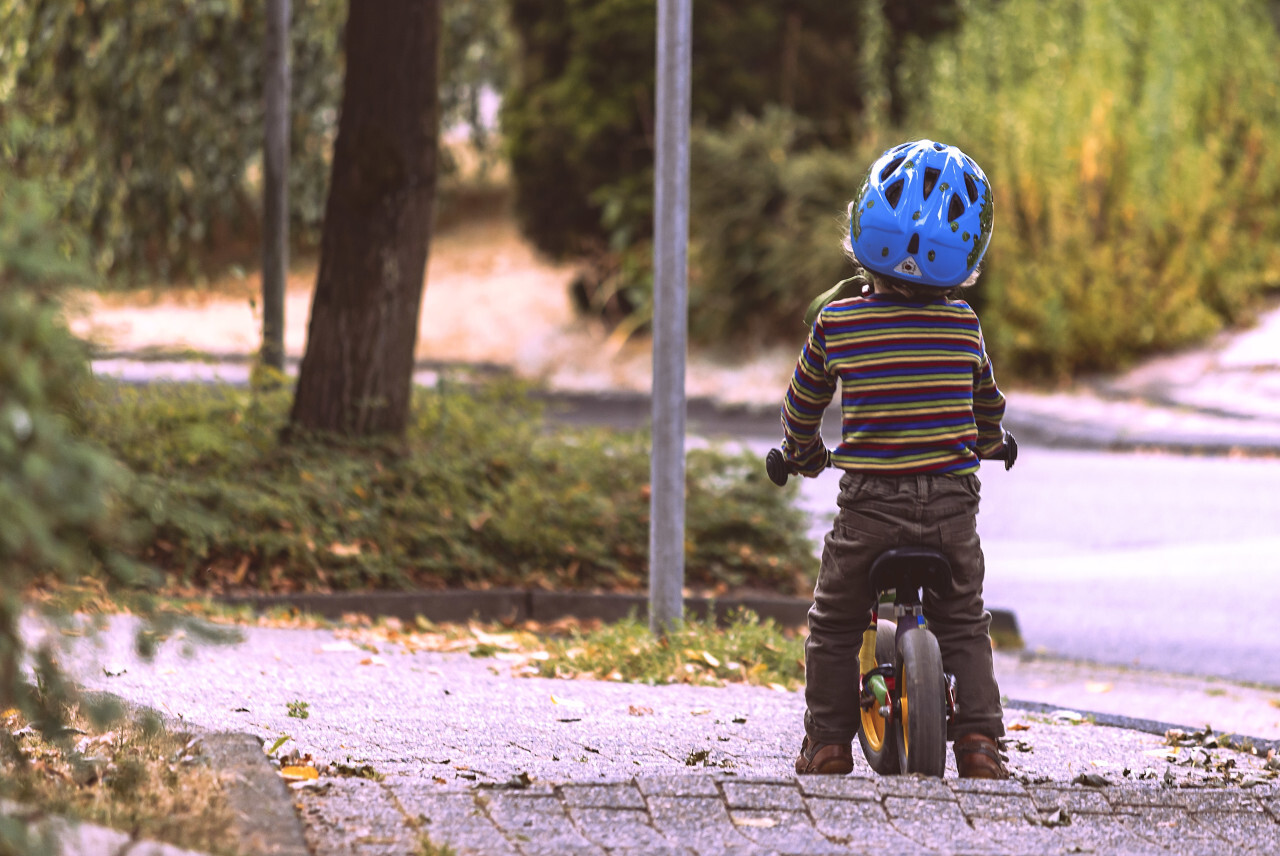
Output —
(579, 118)
(1134, 151)
(57, 513)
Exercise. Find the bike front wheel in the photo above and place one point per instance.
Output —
(921, 726)
(876, 734)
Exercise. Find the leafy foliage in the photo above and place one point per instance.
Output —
(1137, 210)
(579, 119)
(746, 650)
(57, 510)
(482, 494)
(151, 113)
(767, 219)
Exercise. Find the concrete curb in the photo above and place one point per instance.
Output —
(266, 822)
(1129, 723)
(519, 605)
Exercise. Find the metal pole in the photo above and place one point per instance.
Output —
(275, 183)
(670, 314)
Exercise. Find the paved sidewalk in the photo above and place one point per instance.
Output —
(457, 751)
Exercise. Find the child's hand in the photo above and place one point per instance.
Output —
(808, 462)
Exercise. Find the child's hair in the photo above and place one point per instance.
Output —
(901, 287)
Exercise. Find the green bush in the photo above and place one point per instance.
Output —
(579, 118)
(59, 519)
(1137, 188)
(482, 494)
(767, 220)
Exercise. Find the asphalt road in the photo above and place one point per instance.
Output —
(1161, 561)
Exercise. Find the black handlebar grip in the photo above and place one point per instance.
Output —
(1010, 451)
(776, 466)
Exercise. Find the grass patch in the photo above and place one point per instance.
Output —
(744, 650)
(481, 492)
(131, 775)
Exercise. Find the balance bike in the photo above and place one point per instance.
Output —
(906, 698)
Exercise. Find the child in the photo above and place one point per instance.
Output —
(919, 404)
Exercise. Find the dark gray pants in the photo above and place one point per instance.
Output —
(876, 513)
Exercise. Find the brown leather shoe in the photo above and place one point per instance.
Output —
(978, 757)
(831, 759)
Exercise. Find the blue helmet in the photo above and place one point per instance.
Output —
(923, 214)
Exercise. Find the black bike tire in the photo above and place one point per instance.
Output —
(880, 745)
(921, 737)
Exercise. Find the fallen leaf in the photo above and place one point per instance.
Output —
(778, 688)
(298, 774)
(639, 711)
(566, 702)
(1092, 780)
(340, 549)
(1019, 726)
(700, 711)
(710, 659)
(756, 822)
(1097, 687)
(1068, 715)
(373, 661)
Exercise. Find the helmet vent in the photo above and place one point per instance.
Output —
(914, 245)
(893, 192)
(930, 179)
(971, 186)
(893, 164)
(939, 147)
(956, 209)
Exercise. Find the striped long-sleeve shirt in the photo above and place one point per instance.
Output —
(917, 391)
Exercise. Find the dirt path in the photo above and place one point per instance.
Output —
(490, 298)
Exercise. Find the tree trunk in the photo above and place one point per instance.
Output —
(357, 374)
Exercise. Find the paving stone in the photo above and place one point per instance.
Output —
(784, 832)
(858, 824)
(1137, 796)
(622, 795)
(701, 823)
(1101, 834)
(838, 787)
(1007, 787)
(453, 819)
(1219, 799)
(936, 824)
(1171, 827)
(1252, 831)
(535, 823)
(750, 795)
(997, 807)
(1074, 800)
(612, 828)
(355, 816)
(1010, 837)
(677, 786)
(916, 787)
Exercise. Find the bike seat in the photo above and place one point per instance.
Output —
(910, 567)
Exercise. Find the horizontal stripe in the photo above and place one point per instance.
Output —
(917, 390)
